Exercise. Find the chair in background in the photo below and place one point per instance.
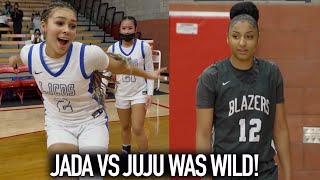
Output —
(9, 83)
(27, 82)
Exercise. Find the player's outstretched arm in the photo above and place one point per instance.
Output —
(282, 141)
(15, 60)
(119, 65)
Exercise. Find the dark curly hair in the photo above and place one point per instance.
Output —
(244, 11)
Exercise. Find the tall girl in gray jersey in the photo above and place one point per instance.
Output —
(240, 101)
(65, 72)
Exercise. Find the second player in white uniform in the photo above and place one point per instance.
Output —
(130, 87)
(133, 94)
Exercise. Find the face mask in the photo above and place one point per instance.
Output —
(127, 37)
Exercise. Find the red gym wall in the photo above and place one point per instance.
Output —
(289, 37)
(190, 54)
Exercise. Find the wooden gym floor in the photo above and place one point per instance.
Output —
(23, 152)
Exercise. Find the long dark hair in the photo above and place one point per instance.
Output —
(36, 31)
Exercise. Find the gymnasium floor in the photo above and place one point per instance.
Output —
(23, 140)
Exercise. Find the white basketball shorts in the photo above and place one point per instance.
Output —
(126, 104)
(93, 133)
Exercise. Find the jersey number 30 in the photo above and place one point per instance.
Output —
(255, 127)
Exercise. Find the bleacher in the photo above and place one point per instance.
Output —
(97, 24)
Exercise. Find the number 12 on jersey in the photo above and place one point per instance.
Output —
(255, 127)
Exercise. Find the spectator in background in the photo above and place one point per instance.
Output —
(3, 22)
(16, 16)
(37, 37)
(35, 22)
(7, 8)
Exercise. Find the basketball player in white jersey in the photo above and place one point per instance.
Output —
(75, 120)
(133, 94)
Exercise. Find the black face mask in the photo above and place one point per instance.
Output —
(127, 37)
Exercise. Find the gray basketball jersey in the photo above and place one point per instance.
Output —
(244, 111)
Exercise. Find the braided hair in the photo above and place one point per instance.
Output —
(100, 89)
(46, 13)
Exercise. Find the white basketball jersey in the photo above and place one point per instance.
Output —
(67, 93)
(131, 87)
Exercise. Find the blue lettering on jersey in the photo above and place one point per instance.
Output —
(57, 89)
(134, 62)
(249, 102)
(63, 105)
(131, 78)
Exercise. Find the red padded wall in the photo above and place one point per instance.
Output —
(190, 54)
